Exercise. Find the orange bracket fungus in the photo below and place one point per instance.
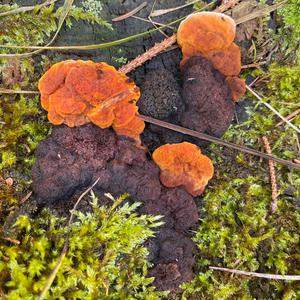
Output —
(183, 164)
(211, 35)
(78, 92)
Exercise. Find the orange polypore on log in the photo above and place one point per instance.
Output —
(77, 92)
(183, 164)
(211, 35)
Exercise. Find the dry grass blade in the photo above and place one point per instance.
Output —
(9, 91)
(65, 10)
(26, 8)
(131, 13)
(161, 12)
(218, 141)
(259, 275)
(260, 13)
(65, 248)
(273, 109)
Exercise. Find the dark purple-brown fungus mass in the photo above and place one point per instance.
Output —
(73, 158)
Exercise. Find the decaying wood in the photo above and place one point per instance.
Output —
(267, 147)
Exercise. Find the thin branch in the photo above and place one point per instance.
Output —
(131, 13)
(273, 109)
(272, 175)
(206, 137)
(65, 248)
(149, 54)
(259, 275)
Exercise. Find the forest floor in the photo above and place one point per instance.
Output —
(249, 214)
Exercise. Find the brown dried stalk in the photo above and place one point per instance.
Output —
(267, 147)
(159, 47)
(218, 141)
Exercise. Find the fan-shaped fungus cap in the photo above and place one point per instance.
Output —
(183, 164)
(205, 31)
(77, 92)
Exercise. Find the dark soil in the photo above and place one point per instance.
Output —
(72, 158)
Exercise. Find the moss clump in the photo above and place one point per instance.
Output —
(106, 258)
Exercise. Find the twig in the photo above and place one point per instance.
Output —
(24, 199)
(149, 54)
(160, 12)
(227, 4)
(131, 13)
(290, 117)
(218, 141)
(11, 240)
(267, 147)
(26, 8)
(65, 248)
(254, 65)
(259, 275)
(272, 109)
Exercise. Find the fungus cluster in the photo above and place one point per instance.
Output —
(211, 35)
(78, 92)
(184, 165)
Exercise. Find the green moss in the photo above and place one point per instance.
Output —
(106, 258)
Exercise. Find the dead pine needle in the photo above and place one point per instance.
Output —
(267, 147)
(290, 117)
(131, 13)
(66, 244)
(259, 275)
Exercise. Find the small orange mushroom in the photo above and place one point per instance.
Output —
(77, 92)
(211, 35)
(184, 164)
